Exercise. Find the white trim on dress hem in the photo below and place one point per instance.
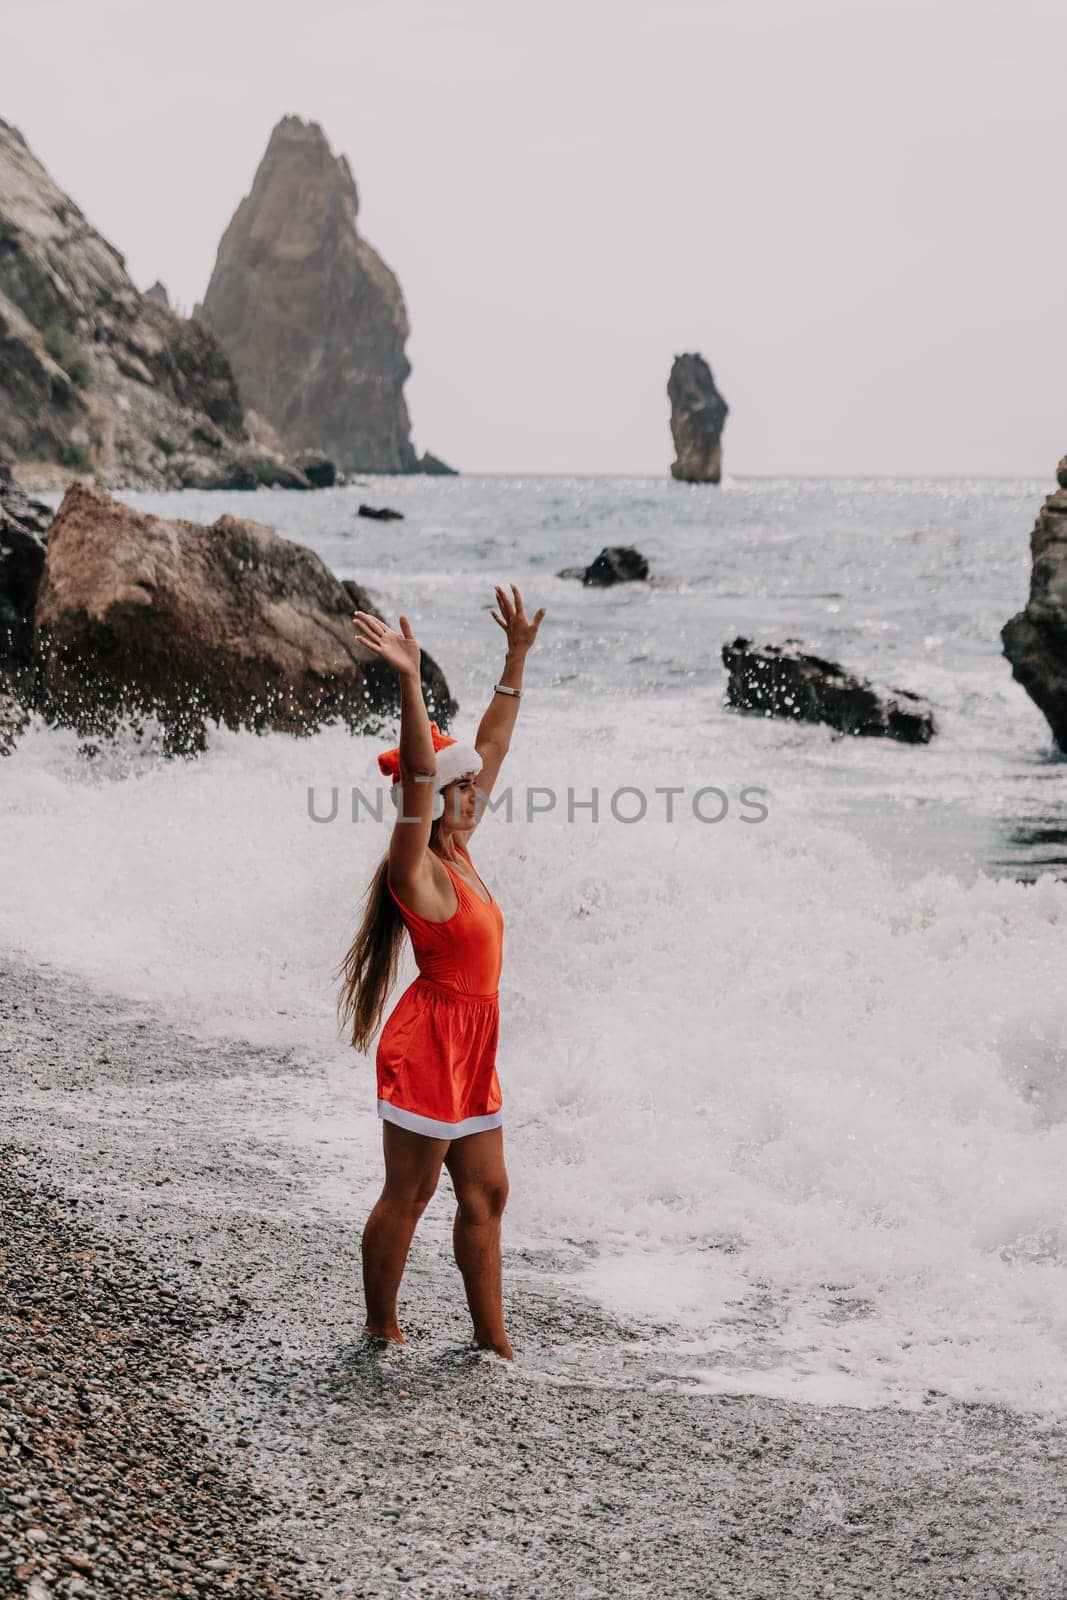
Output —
(438, 1130)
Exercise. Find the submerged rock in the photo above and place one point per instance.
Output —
(229, 623)
(311, 317)
(381, 513)
(616, 563)
(781, 681)
(698, 415)
(1035, 639)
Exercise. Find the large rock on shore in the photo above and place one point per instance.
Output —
(23, 525)
(228, 623)
(698, 415)
(96, 377)
(1035, 639)
(781, 681)
(311, 317)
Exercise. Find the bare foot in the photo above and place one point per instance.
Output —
(500, 1347)
(393, 1333)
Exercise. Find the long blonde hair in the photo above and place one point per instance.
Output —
(370, 965)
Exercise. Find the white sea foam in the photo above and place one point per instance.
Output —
(756, 1082)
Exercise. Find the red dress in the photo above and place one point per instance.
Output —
(436, 1061)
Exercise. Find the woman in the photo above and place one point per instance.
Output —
(438, 1094)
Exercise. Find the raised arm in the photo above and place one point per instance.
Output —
(418, 761)
(493, 738)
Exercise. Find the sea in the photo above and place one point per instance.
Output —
(784, 1011)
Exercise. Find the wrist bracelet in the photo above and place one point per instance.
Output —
(501, 688)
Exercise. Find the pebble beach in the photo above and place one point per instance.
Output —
(189, 1407)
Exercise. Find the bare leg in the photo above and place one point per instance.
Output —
(476, 1166)
(412, 1168)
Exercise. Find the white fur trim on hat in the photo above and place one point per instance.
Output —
(453, 760)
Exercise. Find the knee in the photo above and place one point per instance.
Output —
(409, 1202)
(483, 1202)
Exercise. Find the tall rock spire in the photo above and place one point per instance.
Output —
(311, 317)
(698, 415)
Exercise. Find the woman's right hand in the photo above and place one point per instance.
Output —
(399, 650)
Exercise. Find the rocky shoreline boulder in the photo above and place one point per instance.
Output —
(781, 681)
(23, 526)
(1035, 639)
(230, 623)
(698, 416)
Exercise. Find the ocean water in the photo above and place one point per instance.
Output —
(794, 1087)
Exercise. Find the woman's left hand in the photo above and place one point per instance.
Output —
(520, 630)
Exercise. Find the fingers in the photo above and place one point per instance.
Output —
(405, 628)
(363, 631)
(514, 611)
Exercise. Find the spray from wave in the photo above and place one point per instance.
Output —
(755, 1086)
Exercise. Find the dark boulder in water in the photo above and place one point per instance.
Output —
(781, 681)
(617, 563)
(381, 513)
(1035, 639)
(231, 623)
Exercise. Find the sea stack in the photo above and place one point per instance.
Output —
(1035, 639)
(312, 319)
(698, 415)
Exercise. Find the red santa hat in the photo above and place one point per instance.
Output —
(452, 758)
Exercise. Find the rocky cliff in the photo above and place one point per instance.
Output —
(698, 415)
(311, 317)
(94, 376)
(1035, 639)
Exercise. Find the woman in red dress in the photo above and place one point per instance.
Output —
(439, 1097)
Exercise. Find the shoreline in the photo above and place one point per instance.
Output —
(436, 1469)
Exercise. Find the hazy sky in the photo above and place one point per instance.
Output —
(852, 208)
